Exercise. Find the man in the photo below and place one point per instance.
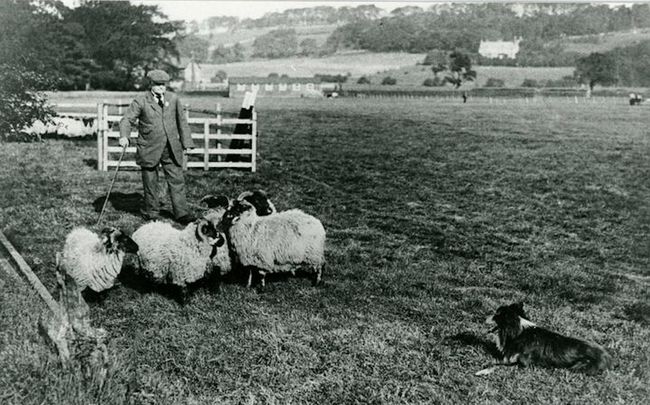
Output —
(163, 136)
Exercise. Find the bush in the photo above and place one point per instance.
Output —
(273, 75)
(20, 101)
(390, 81)
(433, 82)
(492, 82)
(331, 78)
(530, 83)
(566, 81)
(363, 80)
(219, 77)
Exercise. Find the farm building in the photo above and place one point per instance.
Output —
(201, 77)
(275, 86)
(499, 49)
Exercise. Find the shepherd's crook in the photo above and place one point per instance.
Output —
(111, 187)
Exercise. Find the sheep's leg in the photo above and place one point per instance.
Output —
(263, 279)
(184, 295)
(250, 277)
(317, 276)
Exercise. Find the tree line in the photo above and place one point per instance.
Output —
(465, 25)
(108, 45)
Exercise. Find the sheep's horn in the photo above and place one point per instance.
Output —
(244, 195)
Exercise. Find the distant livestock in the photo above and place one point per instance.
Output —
(636, 99)
(64, 126)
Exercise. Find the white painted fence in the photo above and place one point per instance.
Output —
(211, 154)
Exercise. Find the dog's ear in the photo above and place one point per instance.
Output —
(520, 305)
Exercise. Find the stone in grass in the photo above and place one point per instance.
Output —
(69, 331)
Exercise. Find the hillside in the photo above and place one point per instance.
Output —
(603, 42)
(355, 63)
(246, 36)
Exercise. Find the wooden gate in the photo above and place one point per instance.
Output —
(216, 134)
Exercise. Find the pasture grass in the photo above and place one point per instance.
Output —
(436, 213)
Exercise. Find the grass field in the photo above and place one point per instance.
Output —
(436, 213)
(414, 76)
(356, 63)
(605, 42)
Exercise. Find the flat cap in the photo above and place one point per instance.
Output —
(158, 76)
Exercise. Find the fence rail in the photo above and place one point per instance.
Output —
(213, 152)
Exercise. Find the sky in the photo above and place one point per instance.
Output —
(189, 10)
(201, 9)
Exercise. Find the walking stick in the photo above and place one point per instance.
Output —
(111, 187)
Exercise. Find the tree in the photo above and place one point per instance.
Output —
(597, 68)
(125, 40)
(460, 69)
(28, 64)
(192, 46)
(276, 44)
(219, 77)
(308, 46)
(20, 104)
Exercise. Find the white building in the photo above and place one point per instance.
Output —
(499, 49)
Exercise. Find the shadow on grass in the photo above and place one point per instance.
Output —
(126, 202)
(470, 339)
(638, 312)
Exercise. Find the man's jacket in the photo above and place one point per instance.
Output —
(157, 126)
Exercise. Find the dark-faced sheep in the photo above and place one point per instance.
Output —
(94, 261)
(283, 242)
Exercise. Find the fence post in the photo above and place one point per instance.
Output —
(219, 156)
(206, 145)
(106, 128)
(254, 141)
(187, 119)
(100, 136)
(119, 107)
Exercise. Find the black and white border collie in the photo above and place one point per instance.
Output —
(523, 343)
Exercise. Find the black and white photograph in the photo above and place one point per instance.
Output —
(324, 202)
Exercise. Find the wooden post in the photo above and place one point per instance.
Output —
(219, 156)
(106, 127)
(187, 118)
(27, 272)
(254, 141)
(206, 145)
(100, 136)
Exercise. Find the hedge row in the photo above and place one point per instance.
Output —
(476, 92)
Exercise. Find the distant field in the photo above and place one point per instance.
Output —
(605, 42)
(355, 63)
(512, 76)
(436, 213)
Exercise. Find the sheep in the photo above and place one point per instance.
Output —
(69, 127)
(259, 200)
(281, 242)
(178, 257)
(95, 261)
(217, 206)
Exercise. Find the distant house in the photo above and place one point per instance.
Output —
(200, 77)
(275, 86)
(499, 49)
